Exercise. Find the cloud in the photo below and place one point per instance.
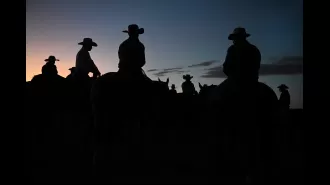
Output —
(172, 69)
(298, 60)
(164, 72)
(151, 70)
(288, 65)
(204, 64)
(214, 72)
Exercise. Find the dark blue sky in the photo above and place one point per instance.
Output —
(178, 33)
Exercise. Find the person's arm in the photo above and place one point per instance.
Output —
(93, 67)
(95, 71)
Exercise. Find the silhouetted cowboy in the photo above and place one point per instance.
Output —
(49, 68)
(187, 86)
(72, 71)
(284, 100)
(84, 62)
(173, 91)
(243, 59)
(132, 53)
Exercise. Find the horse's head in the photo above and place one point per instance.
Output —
(162, 86)
(206, 89)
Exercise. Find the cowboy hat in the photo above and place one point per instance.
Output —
(88, 41)
(133, 28)
(283, 86)
(187, 76)
(238, 32)
(51, 58)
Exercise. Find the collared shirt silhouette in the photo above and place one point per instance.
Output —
(243, 59)
(187, 86)
(84, 62)
(131, 52)
(284, 100)
(50, 68)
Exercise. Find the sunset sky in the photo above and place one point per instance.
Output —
(181, 36)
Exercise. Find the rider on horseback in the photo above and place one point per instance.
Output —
(50, 68)
(131, 54)
(84, 62)
(243, 59)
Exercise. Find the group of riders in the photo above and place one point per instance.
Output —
(241, 65)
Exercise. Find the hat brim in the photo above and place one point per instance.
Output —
(84, 43)
(49, 60)
(140, 31)
(233, 36)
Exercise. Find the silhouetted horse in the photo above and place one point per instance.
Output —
(45, 110)
(257, 105)
(124, 109)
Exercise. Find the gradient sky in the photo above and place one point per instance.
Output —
(178, 34)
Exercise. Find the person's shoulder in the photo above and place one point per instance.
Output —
(36, 77)
(231, 48)
(125, 42)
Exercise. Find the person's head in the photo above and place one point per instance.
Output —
(88, 44)
(173, 87)
(238, 36)
(51, 60)
(187, 77)
(134, 31)
(283, 88)
(72, 69)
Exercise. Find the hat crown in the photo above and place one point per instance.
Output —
(87, 40)
(51, 57)
(239, 30)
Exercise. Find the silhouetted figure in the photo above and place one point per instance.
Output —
(188, 87)
(84, 62)
(243, 59)
(284, 101)
(72, 71)
(132, 54)
(50, 68)
(173, 91)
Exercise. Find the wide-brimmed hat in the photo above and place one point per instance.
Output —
(51, 58)
(283, 86)
(88, 41)
(187, 77)
(238, 32)
(133, 28)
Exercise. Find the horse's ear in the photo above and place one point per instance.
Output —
(159, 79)
(200, 86)
(168, 80)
